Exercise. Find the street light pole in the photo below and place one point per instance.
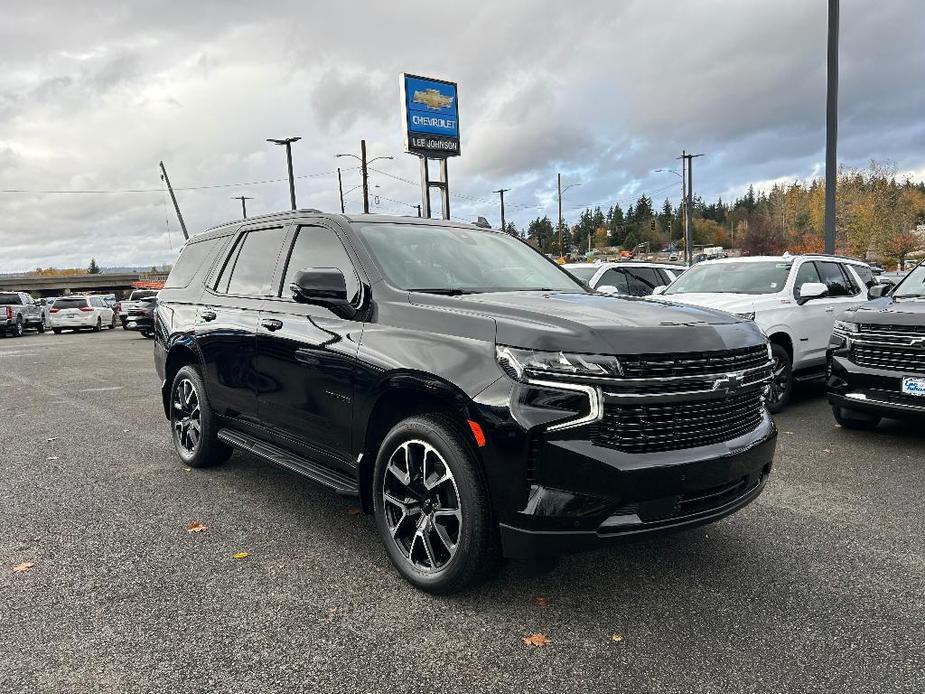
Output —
(364, 172)
(340, 188)
(559, 187)
(687, 159)
(831, 128)
(501, 192)
(173, 197)
(288, 144)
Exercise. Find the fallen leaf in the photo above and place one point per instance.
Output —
(616, 637)
(125, 431)
(52, 457)
(196, 527)
(826, 450)
(788, 432)
(188, 469)
(354, 511)
(541, 601)
(52, 438)
(538, 640)
(333, 610)
(25, 566)
(240, 555)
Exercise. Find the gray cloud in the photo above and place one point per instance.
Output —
(94, 95)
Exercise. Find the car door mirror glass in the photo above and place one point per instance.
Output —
(322, 286)
(607, 289)
(878, 290)
(660, 289)
(812, 290)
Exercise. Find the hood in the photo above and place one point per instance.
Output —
(888, 311)
(732, 303)
(592, 323)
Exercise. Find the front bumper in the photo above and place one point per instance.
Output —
(877, 391)
(560, 492)
(139, 323)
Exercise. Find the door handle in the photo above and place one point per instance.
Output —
(829, 309)
(271, 324)
(208, 315)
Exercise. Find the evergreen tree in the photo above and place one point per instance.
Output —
(94, 269)
(541, 233)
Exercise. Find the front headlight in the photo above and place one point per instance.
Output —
(745, 316)
(845, 327)
(518, 361)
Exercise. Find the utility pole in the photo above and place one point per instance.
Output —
(501, 192)
(340, 188)
(831, 128)
(242, 198)
(174, 198)
(419, 210)
(288, 144)
(559, 187)
(687, 159)
(364, 172)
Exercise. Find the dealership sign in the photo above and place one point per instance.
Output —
(431, 117)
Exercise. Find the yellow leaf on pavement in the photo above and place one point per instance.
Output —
(240, 555)
(25, 566)
(538, 640)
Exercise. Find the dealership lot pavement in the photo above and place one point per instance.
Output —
(819, 586)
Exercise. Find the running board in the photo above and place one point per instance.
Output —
(339, 482)
(814, 375)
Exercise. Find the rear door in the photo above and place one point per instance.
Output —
(642, 280)
(226, 321)
(306, 355)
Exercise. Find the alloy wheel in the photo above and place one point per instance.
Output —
(780, 379)
(19, 327)
(187, 417)
(421, 506)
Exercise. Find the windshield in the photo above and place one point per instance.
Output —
(912, 285)
(583, 273)
(142, 294)
(453, 260)
(733, 278)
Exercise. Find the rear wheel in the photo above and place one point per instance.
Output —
(781, 380)
(56, 331)
(18, 329)
(112, 324)
(41, 326)
(98, 326)
(432, 506)
(192, 422)
(855, 419)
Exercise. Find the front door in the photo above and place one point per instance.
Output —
(226, 322)
(307, 355)
(811, 322)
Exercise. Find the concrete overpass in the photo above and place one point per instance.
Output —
(118, 283)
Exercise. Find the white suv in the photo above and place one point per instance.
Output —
(77, 312)
(630, 277)
(793, 299)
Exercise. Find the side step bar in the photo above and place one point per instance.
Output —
(332, 479)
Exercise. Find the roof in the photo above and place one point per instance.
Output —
(782, 259)
(626, 263)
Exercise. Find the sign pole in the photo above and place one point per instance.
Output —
(445, 188)
(425, 188)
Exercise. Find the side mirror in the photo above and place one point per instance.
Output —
(323, 286)
(879, 290)
(607, 289)
(812, 290)
(660, 289)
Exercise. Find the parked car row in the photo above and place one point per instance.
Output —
(20, 312)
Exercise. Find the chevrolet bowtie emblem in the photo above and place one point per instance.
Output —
(728, 383)
(432, 98)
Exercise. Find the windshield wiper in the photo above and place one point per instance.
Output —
(444, 291)
(909, 296)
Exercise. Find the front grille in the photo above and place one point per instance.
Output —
(898, 358)
(875, 328)
(694, 363)
(648, 428)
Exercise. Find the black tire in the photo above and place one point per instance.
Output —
(19, 328)
(56, 331)
(124, 323)
(475, 555)
(99, 324)
(41, 326)
(782, 380)
(207, 450)
(112, 324)
(855, 419)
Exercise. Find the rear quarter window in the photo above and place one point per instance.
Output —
(191, 259)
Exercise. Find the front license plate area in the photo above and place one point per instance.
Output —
(914, 385)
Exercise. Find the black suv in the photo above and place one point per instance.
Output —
(876, 356)
(476, 398)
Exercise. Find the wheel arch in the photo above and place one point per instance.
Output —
(180, 354)
(782, 338)
(399, 396)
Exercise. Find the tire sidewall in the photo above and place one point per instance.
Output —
(476, 515)
(778, 351)
(201, 457)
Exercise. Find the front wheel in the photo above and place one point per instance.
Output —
(192, 422)
(112, 324)
(781, 380)
(41, 326)
(432, 506)
(56, 331)
(854, 419)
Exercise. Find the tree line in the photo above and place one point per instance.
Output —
(876, 216)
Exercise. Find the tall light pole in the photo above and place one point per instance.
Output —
(364, 171)
(683, 195)
(173, 197)
(561, 192)
(831, 128)
(242, 198)
(501, 192)
(687, 159)
(340, 188)
(288, 143)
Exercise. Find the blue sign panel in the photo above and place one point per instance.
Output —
(431, 116)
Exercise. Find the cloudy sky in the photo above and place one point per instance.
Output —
(94, 94)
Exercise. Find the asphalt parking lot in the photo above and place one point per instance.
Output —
(819, 586)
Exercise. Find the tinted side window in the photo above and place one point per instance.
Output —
(190, 260)
(615, 278)
(806, 273)
(642, 280)
(865, 274)
(255, 260)
(320, 247)
(834, 279)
